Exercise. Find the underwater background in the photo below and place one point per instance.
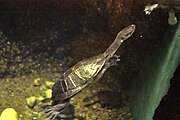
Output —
(39, 41)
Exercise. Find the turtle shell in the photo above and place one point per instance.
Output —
(77, 77)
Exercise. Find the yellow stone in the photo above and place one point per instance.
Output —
(9, 114)
(36, 82)
(31, 101)
(49, 84)
(40, 98)
(48, 93)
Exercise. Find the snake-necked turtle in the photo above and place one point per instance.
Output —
(83, 74)
(172, 6)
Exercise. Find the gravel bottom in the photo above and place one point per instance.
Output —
(15, 90)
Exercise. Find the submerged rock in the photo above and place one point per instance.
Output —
(9, 114)
(31, 101)
(49, 84)
(48, 93)
(40, 98)
(37, 82)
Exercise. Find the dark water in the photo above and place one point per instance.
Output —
(44, 43)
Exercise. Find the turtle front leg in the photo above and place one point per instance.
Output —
(111, 62)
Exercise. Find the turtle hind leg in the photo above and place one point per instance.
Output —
(52, 112)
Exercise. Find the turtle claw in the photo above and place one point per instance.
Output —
(117, 57)
(51, 113)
